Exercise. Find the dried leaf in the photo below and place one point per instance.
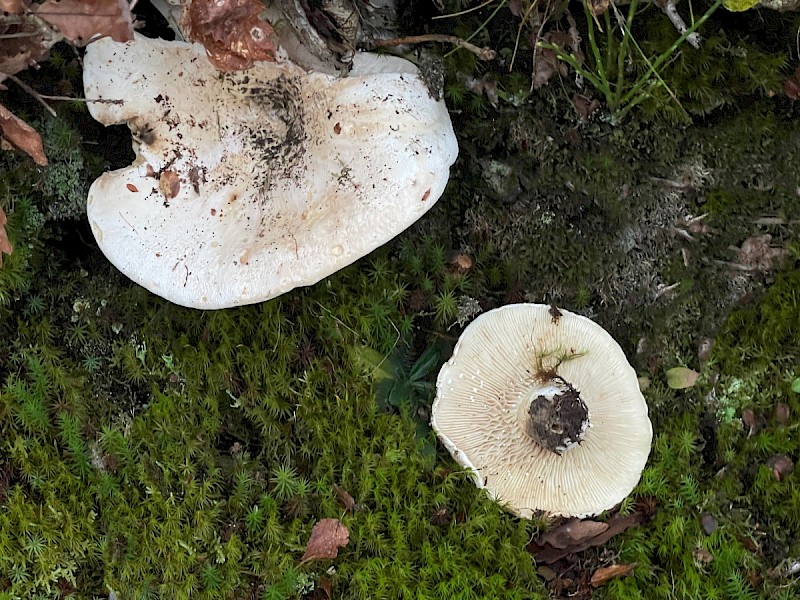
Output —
(702, 555)
(231, 31)
(791, 87)
(13, 7)
(584, 105)
(597, 7)
(573, 533)
(545, 553)
(545, 61)
(605, 574)
(326, 538)
(679, 378)
(781, 465)
(325, 586)
(709, 523)
(515, 6)
(80, 21)
(346, 499)
(26, 47)
(5, 243)
(169, 184)
(782, 413)
(22, 136)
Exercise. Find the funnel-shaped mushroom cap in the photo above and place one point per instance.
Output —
(249, 184)
(512, 355)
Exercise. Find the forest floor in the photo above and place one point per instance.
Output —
(153, 451)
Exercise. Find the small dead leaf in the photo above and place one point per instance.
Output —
(169, 184)
(81, 21)
(545, 62)
(750, 421)
(584, 106)
(231, 32)
(644, 382)
(5, 243)
(702, 555)
(546, 553)
(346, 499)
(22, 136)
(326, 538)
(572, 533)
(782, 413)
(791, 87)
(709, 523)
(325, 586)
(781, 465)
(597, 7)
(679, 378)
(131, 187)
(605, 574)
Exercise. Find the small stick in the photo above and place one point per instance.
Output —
(33, 93)
(481, 53)
(71, 99)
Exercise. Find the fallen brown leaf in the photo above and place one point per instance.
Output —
(169, 184)
(326, 538)
(545, 552)
(346, 499)
(231, 32)
(597, 7)
(5, 243)
(605, 574)
(545, 61)
(80, 21)
(781, 465)
(22, 136)
(573, 533)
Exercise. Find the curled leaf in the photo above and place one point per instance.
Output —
(605, 574)
(231, 32)
(21, 136)
(679, 378)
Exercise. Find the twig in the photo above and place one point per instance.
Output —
(463, 12)
(671, 10)
(71, 99)
(481, 53)
(36, 96)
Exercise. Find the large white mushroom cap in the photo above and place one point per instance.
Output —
(504, 359)
(248, 184)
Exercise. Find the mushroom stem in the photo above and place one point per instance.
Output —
(556, 417)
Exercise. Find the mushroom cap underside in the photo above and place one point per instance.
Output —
(248, 184)
(483, 390)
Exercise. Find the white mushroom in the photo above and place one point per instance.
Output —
(544, 409)
(248, 184)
